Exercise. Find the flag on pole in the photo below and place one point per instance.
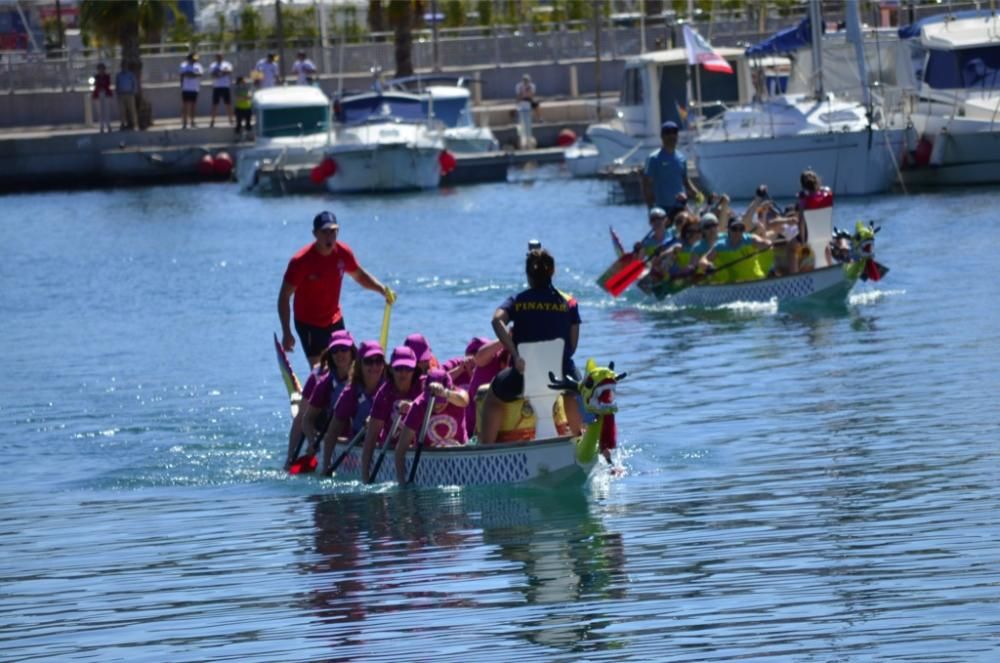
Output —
(700, 52)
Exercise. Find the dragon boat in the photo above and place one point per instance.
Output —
(534, 453)
(841, 257)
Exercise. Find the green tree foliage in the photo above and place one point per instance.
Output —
(485, 10)
(454, 14)
(299, 24)
(127, 23)
(251, 26)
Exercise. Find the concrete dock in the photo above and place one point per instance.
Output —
(65, 157)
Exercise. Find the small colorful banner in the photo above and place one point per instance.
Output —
(701, 52)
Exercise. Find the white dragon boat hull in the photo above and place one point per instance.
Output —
(828, 284)
(549, 462)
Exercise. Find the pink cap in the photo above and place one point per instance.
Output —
(341, 339)
(439, 375)
(403, 357)
(371, 349)
(475, 344)
(421, 348)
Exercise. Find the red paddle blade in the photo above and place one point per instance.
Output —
(304, 465)
(629, 274)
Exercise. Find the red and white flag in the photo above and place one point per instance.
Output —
(700, 52)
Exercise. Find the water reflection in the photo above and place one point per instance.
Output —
(380, 554)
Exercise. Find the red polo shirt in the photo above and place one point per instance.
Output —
(317, 280)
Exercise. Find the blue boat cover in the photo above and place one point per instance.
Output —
(786, 41)
(913, 30)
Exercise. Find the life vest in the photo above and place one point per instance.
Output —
(519, 419)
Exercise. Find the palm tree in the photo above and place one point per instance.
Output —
(400, 16)
(123, 22)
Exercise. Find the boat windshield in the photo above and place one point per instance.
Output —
(300, 121)
(970, 68)
(353, 111)
(452, 112)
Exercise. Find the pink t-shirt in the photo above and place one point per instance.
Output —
(385, 401)
(483, 375)
(311, 381)
(326, 392)
(447, 425)
(462, 379)
(354, 405)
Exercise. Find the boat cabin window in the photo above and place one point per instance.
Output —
(834, 117)
(715, 87)
(353, 111)
(973, 68)
(451, 112)
(632, 92)
(298, 121)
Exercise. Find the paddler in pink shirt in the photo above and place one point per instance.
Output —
(446, 427)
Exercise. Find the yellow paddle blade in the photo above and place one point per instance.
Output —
(384, 334)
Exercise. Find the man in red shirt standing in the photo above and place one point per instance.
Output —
(314, 275)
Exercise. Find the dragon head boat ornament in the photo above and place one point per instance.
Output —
(597, 389)
(858, 249)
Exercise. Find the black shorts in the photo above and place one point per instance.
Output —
(189, 96)
(315, 339)
(220, 94)
(508, 385)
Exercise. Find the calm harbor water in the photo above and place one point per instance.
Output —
(800, 485)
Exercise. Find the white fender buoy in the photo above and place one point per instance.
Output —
(937, 152)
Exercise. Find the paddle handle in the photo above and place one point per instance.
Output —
(381, 452)
(383, 336)
(350, 445)
(424, 425)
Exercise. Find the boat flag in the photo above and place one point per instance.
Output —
(701, 52)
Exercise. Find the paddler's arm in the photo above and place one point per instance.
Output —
(369, 282)
(574, 338)
(374, 428)
(692, 190)
(285, 315)
(647, 190)
(486, 353)
(500, 320)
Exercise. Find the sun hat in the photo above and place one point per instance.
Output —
(371, 349)
(421, 348)
(657, 213)
(735, 221)
(403, 357)
(341, 339)
(475, 345)
(708, 220)
(325, 220)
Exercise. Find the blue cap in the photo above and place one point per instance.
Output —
(669, 125)
(325, 220)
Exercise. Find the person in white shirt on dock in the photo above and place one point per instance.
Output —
(269, 73)
(191, 73)
(222, 82)
(304, 69)
(525, 93)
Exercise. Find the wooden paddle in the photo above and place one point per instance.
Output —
(621, 274)
(381, 452)
(383, 336)
(308, 463)
(350, 445)
(421, 437)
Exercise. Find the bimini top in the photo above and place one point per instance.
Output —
(291, 96)
(961, 34)
(678, 56)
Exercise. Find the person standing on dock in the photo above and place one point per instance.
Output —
(314, 276)
(665, 175)
(125, 87)
(244, 106)
(304, 69)
(191, 73)
(525, 94)
(100, 94)
(268, 71)
(222, 81)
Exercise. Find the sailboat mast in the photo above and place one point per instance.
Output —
(816, 26)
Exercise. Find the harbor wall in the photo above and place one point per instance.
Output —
(566, 80)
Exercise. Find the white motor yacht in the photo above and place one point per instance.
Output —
(292, 134)
(384, 141)
(655, 88)
(951, 73)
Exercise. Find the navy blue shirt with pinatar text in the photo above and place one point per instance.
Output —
(543, 314)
